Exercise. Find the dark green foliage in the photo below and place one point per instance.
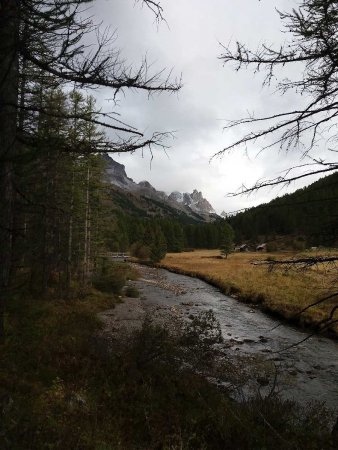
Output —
(122, 200)
(207, 235)
(310, 213)
(111, 277)
(158, 246)
(142, 233)
(142, 397)
(140, 251)
(110, 283)
(227, 240)
(60, 208)
(174, 236)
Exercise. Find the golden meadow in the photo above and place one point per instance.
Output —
(285, 293)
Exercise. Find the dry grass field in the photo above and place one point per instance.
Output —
(284, 293)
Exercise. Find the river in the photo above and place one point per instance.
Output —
(307, 371)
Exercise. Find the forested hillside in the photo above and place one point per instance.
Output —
(144, 224)
(310, 213)
(129, 232)
(138, 205)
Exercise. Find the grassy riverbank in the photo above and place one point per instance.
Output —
(285, 294)
(59, 391)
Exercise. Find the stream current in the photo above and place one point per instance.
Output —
(307, 371)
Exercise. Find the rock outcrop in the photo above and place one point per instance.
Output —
(192, 204)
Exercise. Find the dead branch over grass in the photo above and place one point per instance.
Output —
(284, 293)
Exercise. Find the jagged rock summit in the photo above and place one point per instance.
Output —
(176, 197)
(116, 174)
(192, 204)
(195, 201)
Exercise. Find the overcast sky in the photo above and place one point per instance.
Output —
(212, 94)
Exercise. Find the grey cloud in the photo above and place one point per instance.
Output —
(211, 93)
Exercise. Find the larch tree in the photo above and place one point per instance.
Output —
(227, 239)
(48, 44)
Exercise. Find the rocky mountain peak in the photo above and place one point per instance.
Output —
(145, 184)
(196, 196)
(191, 203)
(195, 201)
(176, 197)
(116, 174)
(187, 200)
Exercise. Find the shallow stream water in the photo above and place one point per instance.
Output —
(306, 372)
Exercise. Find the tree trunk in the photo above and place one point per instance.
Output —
(46, 235)
(87, 232)
(70, 239)
(89, 244)
(9, 27)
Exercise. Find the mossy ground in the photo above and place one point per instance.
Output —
(57, 393)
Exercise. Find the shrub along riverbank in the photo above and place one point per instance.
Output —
(57, 393)
(278, 292)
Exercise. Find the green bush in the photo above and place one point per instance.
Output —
(111, 277)
(112, 284)
(57, 393)
(140, 251)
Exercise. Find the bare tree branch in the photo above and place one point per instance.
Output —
(313, 28)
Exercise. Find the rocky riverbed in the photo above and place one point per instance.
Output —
(306, 368)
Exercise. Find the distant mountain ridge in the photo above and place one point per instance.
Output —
(192, 204)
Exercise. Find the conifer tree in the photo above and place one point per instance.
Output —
(227, 240)
(158, 247)
(46, 45)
